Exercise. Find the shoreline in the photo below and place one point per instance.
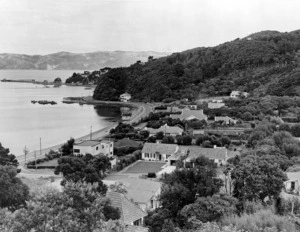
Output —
(141, 110)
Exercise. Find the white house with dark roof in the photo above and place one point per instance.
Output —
(225, 119)
(125, 97)
(131, 214)
(168, 130)
(236, 94)
(158, 151)
(94, 147)
(218, 154)
(187, 114)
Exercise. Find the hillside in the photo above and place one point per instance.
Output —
(262, 63)
(74, 61)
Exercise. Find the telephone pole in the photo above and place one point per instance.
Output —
(26, 151)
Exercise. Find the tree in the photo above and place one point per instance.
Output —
(67, 148)
(184, 185)
(6, 158)
(78, 208)
(87, 168)
(210, 208)
(255, 179)
(168, 139)
(13, 192)
(159, 135)
(186, 140)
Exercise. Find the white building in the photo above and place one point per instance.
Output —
(94, 147)
(158, 151)
(125, 97)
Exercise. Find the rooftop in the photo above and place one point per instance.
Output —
(188, 114)
(166, 129)
(159, 148)
(88, 143)
(130, 212)
(140, 190)
(219, 153)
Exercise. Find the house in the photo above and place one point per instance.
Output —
(225, 119)
(192, 107)
(158, 152)
(215, 105)
(94, 147)
(218, 154)
(125, 97)
(236, 94)
(126, 116)
(143, 192)
(130, 228)
(168, 130)
(187, 114)
(130, 213)
(127, 142)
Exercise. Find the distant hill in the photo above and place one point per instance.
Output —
(262, 63)
(74, 61)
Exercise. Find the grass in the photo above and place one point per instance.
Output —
(145, 167)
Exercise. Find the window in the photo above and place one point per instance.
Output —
(76, 150)
(137, 222)
(111, 152)
(110, 145)
(97, 148)
(146, 155)
(102, 146)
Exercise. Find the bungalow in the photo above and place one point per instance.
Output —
(126, 116)
(187, 114)
(215, 105)
(168, 130)
(125, 97)
(143, 192)
(130, 213)
(218, 154)
(225, 119)
(94, 147)
(158, 151)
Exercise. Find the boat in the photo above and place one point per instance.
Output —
(33, 101)
(45, 102)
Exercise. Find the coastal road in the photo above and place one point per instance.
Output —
(142, 111)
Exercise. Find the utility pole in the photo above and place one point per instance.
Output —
(91, 133)
(35, 159)
(26, 151)
(40, 146)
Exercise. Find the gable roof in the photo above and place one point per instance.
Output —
(161, 148)
(187, 114)
(166, 129)
(126, 142)
(139, 190)
(219, 153)
(215, 105)
(130, 212)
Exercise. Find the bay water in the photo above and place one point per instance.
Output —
(23, 123)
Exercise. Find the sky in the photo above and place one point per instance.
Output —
(49, 26)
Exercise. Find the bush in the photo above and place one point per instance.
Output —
(261, 220)
(151, 175)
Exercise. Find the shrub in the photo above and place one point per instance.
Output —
(260, 221)
(151, 175)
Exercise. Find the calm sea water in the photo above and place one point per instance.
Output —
(23, 123)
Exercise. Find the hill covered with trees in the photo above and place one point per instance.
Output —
(263, 63)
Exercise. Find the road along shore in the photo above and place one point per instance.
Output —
(140, 111)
